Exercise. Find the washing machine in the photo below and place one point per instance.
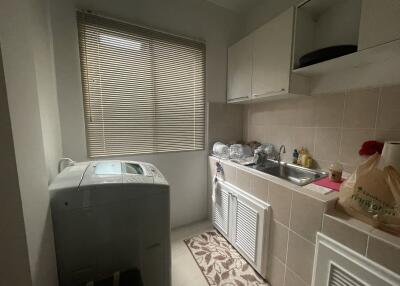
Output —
(111, 222)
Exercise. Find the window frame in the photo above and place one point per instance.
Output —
(121, 26)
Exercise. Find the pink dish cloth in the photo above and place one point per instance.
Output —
(325, 182)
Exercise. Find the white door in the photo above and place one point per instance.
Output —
(272, 54)
(248, 230)
(221, 209)
(337, 265)
(239, 70)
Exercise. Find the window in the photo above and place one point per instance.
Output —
(144, 91)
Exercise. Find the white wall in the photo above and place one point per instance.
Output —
(264, 12)
(14, 259)
(22, 36)
(42, 41)
(198, 19)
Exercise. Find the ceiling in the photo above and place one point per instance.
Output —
(238, 6)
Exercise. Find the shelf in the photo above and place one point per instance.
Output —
(369, 56)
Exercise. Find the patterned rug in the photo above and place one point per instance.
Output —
(220, 263)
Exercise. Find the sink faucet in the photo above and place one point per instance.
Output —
(282, 149)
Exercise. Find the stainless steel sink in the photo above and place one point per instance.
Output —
(296, 174)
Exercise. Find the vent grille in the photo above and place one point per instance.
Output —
(246, 230)
(221, 210)
(338, 277)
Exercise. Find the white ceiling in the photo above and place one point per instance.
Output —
(238, 6)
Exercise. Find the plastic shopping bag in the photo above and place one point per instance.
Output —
(373, 195)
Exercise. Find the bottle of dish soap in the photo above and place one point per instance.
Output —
(300, 157)
(295, 156)
(304, 158)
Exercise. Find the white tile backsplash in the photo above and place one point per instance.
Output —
(331, 126)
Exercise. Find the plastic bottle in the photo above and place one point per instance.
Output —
(295, 156)
(304, 158)
(301, 154)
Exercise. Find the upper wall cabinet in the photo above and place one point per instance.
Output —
(240, 70)
(345, 44)
(272, 56)
(380, 22)
(259, 66)
(322, 24)
(318, 46)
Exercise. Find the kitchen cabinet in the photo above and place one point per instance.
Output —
(259, 65)
(244, 221)
(221, 210)
(380, 23)
(240, 70)
(272, 52)
(245, 232)
(336, 264)
(266, 64)
(371, 25)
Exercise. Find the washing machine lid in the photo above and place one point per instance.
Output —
(121, 172)
(94, 173)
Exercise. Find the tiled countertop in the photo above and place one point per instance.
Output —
(322, 197)
(297, 215)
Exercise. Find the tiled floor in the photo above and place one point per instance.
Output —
(185, 271)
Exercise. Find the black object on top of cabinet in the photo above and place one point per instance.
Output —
(325, 54)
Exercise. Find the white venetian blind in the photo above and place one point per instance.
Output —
(144, 91)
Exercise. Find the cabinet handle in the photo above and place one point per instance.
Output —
(232, 99)
(268, 92)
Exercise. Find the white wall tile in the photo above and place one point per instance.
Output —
(280, 199)
(306, 216)
(361, 107)
(349, 236)
(300, 256)
(389, 108)
(351, 141)
(329, 110)
(332, 125)
(327, 143)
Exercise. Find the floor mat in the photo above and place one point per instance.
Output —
(220, 263)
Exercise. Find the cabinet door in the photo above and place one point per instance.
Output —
(380, 22)
(272, 56)
(245, 226)
(239, 70)
(221, 209)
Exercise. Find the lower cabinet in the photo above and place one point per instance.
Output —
(337, 265)
(244, 221)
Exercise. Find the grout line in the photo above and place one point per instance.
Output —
(289, 229)
(366, 249)
(378, 108)
(298, 277)
(346, 94)
(281, 224)
(284, 275)
(302, 237)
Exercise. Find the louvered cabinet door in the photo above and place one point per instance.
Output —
(246, 226)
(221, 209)
(338, 265)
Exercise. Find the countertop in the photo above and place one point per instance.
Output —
(330, 197)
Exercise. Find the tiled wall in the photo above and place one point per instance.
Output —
(225, 123)
(296, 218)
(331, 126)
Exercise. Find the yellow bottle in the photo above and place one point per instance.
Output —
(301, 154)
(304, 159)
